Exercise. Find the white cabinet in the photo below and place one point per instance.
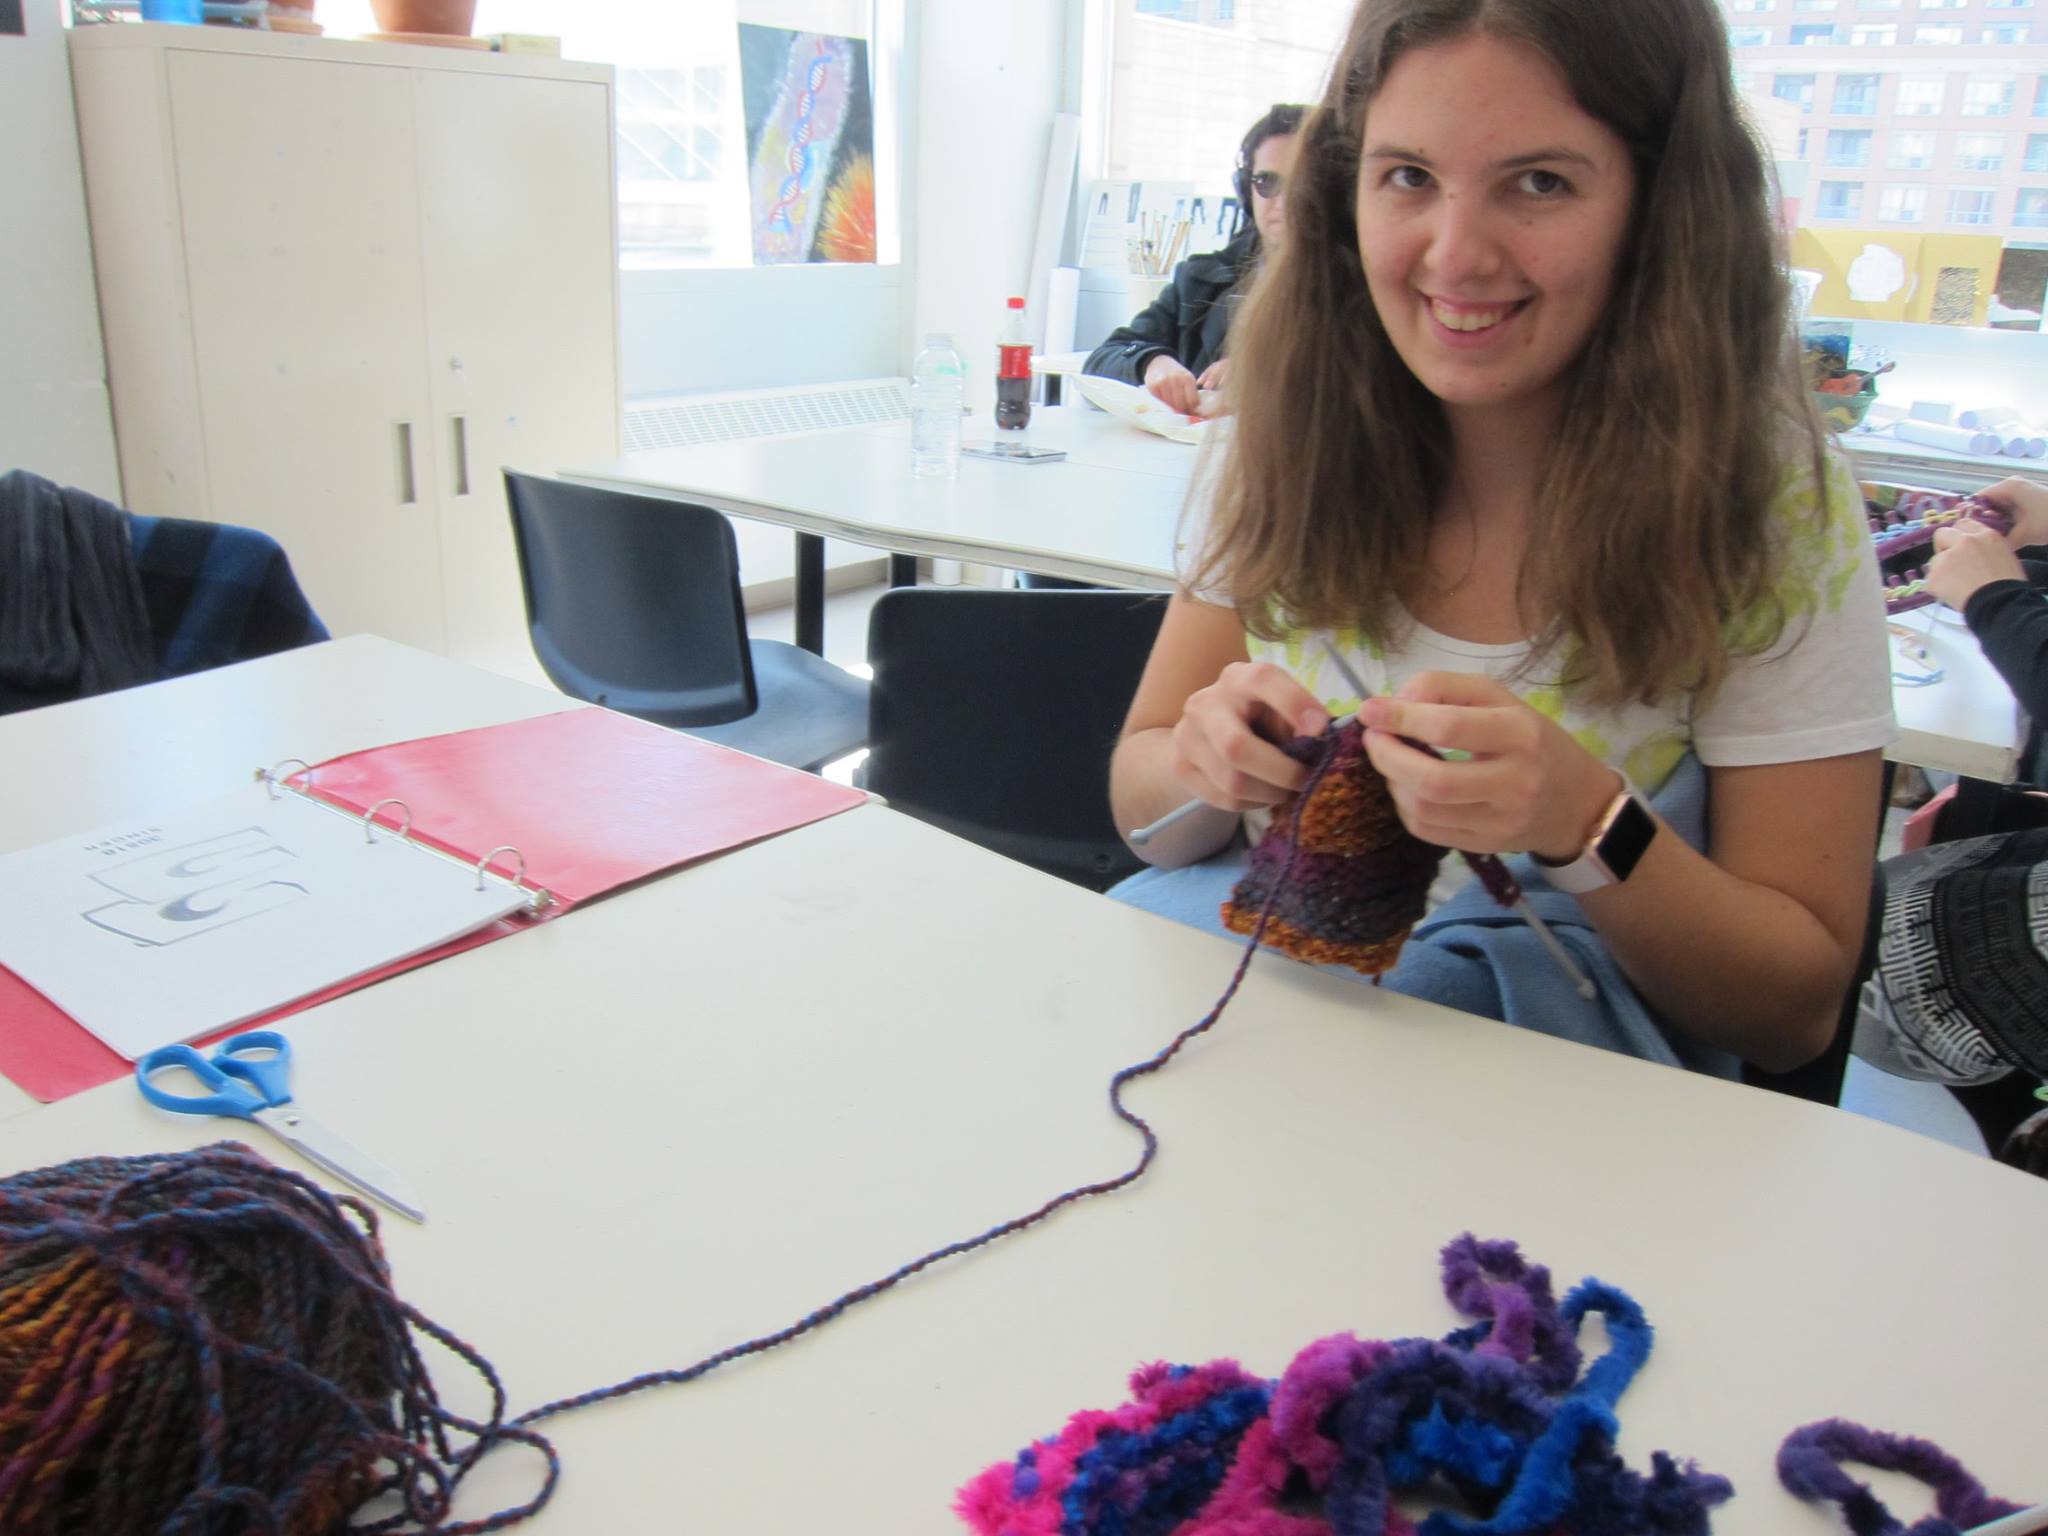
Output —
(343, 285)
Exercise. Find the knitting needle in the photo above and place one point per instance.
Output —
(1520, 905)
(2026, 1522)
(1180, 813)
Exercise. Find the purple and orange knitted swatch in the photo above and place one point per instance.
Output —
(1350, 884)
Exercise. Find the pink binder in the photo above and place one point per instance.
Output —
(592, 800)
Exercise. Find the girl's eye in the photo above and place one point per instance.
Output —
(1544, 183)
(1408, 178)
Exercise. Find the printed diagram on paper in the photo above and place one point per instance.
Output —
(167, 927)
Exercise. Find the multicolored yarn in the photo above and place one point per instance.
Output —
(1499, 1410)
(1903, 520)
(1809, 1465)
(1337, 879)
(204, 1343)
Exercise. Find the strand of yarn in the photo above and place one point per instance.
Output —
(1810, 1466)
(225, 1334)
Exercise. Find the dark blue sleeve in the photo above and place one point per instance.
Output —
(2010, 620)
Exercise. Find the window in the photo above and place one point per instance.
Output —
(1970, 205)
(1800, 152)
(1848, 147)
(2008, 5)
(1750, 37)
(2007, 33)
(2041, 97)
(1840, 199)
(1941, 5)
(1185, 94)
(1920, 98)
(1902, 205)
(1877, 5)
(1813, 5)
(1799, 88)
(681, 148)
(1927, 34)
(2037, 153)
(2031, 210)
(1911, 152)
(1987, 98)
(1980, 151)
(1813, 32)
(1870, 37)
(1752, 5)
(1856, 95)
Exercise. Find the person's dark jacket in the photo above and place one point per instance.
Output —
(1190, 319)
(2010, 621)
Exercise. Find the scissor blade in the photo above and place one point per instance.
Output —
(344, 1160)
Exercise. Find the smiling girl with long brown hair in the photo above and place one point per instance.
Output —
(1527, 446)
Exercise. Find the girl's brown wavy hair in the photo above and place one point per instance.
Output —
(1651, 535)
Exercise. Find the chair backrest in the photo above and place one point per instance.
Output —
(633, 601)
(1821, 1079)
(993, 715)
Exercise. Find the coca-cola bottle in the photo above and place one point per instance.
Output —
(1013, 370)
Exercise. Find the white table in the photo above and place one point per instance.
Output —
(766, 1112)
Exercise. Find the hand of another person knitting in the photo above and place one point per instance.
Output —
(1223, 745)
(2026, 504)
(1525, 784)
(1967, 556)
(1172, 384)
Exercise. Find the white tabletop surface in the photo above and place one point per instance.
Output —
(800, 1064)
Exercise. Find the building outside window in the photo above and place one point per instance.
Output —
(1877, 5)
(1813, 33)
(1970, 205)
(1873, 36)
(2030, 210)
(1922, 97)
(2036, 158)
(1802, 142)
(1902, 205)
(1856, 95)
(1750, 37)
(1840, 199)
(1941, 5)
(2008, 5)
(1751, 5)
(1987, 98)
(1933, 34)
(1799, 88)
(1911, 151)
(1813, 5)
(1980, 152)
(2041, 97)
(1848, 147)
(2006, 33)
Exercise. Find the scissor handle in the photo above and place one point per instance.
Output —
(247, 1073)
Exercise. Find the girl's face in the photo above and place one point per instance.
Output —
(1491, 215)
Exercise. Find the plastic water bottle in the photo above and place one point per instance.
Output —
(938, 389)
(1013, 370)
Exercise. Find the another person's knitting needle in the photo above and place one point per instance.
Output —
(1491, 871)
(2026, 1522)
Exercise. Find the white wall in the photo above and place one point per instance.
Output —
(54, 417)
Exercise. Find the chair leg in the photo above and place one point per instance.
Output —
(903, 570)
(810, 593)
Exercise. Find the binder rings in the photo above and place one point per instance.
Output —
(562, 808)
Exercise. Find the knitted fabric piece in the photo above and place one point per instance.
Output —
(1903, 520)
(1499, 1410)
(1359, 880)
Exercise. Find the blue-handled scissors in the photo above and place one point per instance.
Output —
(249, 1078)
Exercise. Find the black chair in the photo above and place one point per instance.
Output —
(633, 602)
(994, 713)
(1821, 1079)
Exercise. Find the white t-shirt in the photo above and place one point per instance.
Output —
(1823, 688)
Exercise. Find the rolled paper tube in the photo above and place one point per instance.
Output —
(1989, 416)
(2021, 444)
(1954, 439)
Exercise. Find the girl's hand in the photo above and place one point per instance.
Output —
(1968, 555)
(1223, 745)
(1526, 784)
(2026, 504)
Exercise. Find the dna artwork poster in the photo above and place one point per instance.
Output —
(810, 123)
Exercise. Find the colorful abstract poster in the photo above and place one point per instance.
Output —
(810, 145)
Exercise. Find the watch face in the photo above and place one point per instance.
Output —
(1622, 844)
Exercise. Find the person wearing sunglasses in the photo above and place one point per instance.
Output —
(1175, 347)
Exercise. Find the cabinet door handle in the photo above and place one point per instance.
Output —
(408, 484)
(459, 426)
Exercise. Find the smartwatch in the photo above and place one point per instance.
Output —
(1612, 850)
